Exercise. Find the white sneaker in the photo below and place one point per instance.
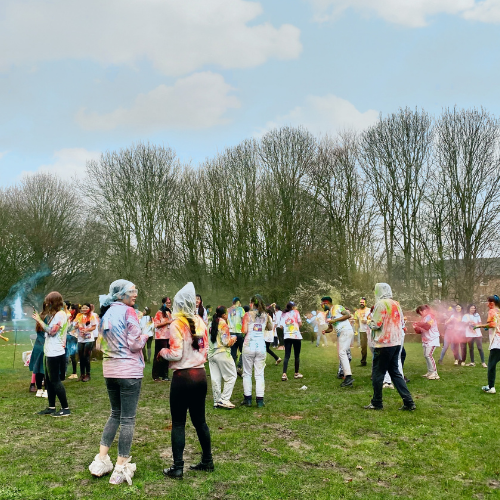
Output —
(100, 467)
(462, 363)
(433, 376)
(123, 473)
(486, 388)
(470, 364)
(387, 386)
(72, 376)
(39, 393)
(426, 374)
(44, 394)
(224, 403)
(484, 365)
(456, 362)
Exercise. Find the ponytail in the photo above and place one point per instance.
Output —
(219, 312)
(258, 303)
(195, 337)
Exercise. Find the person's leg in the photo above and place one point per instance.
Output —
(215, 377)
(197, 395)
(158, 370)
(379, 367)
(178, 410)
(403, 356)
(49, 387)
(38, 380)
(150, 341)
(325, 340)
(446, 344)
(471, 349)
(234, 349)
(428, 354)
(56, 365)
(493, 359)
(130, 390)
(268, 350)
(259, 365)
(463, 351)
(88, 354)
(240, 340)
(276, 341)
(397, 377)
(479, 344)
(227, 369)
(318, 337)
(297, 345)
(247, 373)
(364, 343)
(81, 348)
(344, 343)
(111, 427)
(288, 352)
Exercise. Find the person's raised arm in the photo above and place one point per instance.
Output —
(135, 338)
(174, 352)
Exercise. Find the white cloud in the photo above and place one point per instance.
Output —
(177, 36)
(69, 162)
(325, 115)
(195, 102)
(411, 13)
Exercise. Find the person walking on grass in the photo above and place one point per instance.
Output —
(493, 325)
(386, 327)
(360, 326)
(235, 317)
(453, 327)
(121, 341)
(291, 322)
(36, 359)
(255, 322)
(220, 361)
(55, 325)
(269, 337)
(162, 321)
(85, 326)
(187, 355)
(473, 336)
(428, 328)
(338, 319)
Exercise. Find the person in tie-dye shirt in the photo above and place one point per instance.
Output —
(386, 330)
(255, 323)
(291, 323)
(55, 327)
(235, 319)
(121, 341)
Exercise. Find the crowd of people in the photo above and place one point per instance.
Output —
(235, 341)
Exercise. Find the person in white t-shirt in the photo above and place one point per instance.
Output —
(473, 335)
(148, 327)
(291, 322)
(493, 325)
(428, 328)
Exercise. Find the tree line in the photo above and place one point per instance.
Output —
(412, 200)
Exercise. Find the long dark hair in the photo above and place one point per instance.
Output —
(495, 299)
(201, 309)
(289, 306)
(195, 343)
(219, 312)
(54, 303)
(258, 302)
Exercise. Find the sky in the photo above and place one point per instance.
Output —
(78, 78)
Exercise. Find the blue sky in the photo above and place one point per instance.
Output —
(79, 78)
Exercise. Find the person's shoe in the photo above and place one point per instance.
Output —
(225, 404)
(176, 471)
(44, 394)
(456, 362)
(73, 376)
(204, 465)
(284, 378)
(122, 473)
(371, 407)
(260, 403)
(340, 376)
(47, 411)
(100, 467)
(247, 401)
(484, 365)
(80, 378)
(387, 386)
(39, 393)
(166, 379)
(487, 390)
(278, 361)
(362, 364)
(462, 363)
(298, 375)
(408, 408)
(33, 388)
(470, 364)
(440, 361)
(63, 412)
(407, 380)
(426, 374)
(86, 378)
(158, 380)
(347, 381)
(433, 376)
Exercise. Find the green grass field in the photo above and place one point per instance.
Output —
(315, 444)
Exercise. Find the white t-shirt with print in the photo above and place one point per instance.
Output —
(55, 345)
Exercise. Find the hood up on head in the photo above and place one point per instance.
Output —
(185, 302)
(117, 290)
(382, 291)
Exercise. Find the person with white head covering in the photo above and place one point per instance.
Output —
(386, 326)
(121, 341)
(187, 354)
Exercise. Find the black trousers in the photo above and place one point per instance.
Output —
(160, 368)
(268, 350)
(188, 392)
(386, 359)
(237, 346)
(84, 352)
(492, 366)
(297, 344)
(364, 344)
(55, 372)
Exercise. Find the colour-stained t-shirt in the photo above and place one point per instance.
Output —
(360, 319)
(430, 337)
(291, 323)
(469, 331)
(84, 321)
(162, 332)
(235, 318)
(181, 353)
(337, 311)
(386, 323)
(55, 335)
(222, 341)
(121, 341)
(494, 328)
(253, 327)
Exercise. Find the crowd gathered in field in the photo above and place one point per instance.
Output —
(235, 341)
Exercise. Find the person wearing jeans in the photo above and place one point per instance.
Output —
(86, 323)
(55, 352)
(386, 327)
(121, 341)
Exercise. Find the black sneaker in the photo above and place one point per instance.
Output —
(204, 466)
(408, 408)
(47, 411)
(246, 402)
(62, 413)
(347, 382)
(175, 472)
(371, 407)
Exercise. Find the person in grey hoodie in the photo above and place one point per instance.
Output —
(386, 328)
